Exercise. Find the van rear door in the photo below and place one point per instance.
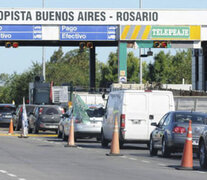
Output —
(159, 104)
(136, 114)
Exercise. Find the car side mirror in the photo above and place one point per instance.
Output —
(154, 124)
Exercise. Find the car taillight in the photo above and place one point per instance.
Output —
(62, 110)
(122, 120)
(179, 130)
(77, 121)
(40, 110)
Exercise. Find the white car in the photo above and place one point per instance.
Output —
(86, 125)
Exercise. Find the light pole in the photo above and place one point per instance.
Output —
(43, 52)
(140, 51)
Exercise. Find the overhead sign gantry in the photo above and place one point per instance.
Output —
(104, 27)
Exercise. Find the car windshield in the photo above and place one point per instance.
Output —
(184, 118)
(8, 109)
(95, 112)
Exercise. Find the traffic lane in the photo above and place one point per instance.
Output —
(38, 158)
(130, 151)
(141, 152)
(4, 132)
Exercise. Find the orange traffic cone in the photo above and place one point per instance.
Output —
(11, 131)
(115, 151)
(187, 159)
(71, 142)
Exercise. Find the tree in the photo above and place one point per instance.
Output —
(170, 69)
(57, 56)
(110, 70)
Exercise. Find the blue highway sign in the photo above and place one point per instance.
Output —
(20, 32)
(88, 33)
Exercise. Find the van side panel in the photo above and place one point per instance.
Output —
(136, 113)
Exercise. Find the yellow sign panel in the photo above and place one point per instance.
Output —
(134, 32)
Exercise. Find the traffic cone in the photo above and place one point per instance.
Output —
(71, 142)
(115, 150)
(11, 130)
(187, 158)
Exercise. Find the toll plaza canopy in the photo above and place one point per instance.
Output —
(103, 25)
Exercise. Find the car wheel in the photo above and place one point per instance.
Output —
(98, 138)
(17, 127)
(153, 151)
(104, 142)
(64, 137)
(203, 155)
(121, 144)
(35, 130)
(165, 149)
(29, 130)
(59, 133)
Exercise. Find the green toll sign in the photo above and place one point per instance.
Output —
(170, 32)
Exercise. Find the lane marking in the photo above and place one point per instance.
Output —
(30, 135)
(2, 171)
(201, 172)
(160, 164)
(124, 157)
(133, 159)
(144, 161)
(11, 175)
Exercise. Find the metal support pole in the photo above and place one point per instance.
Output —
(140, 66)
(43, 53)
(140, 51)
(92, 69)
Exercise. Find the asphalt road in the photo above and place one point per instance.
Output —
(45, 158)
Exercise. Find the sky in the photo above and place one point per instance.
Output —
(20, 59)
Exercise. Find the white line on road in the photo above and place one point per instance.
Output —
(21, 179)
(124, 157)
(145, 161)
(162, 164)
(133, 159)
(201, 172)
(11, 175)
(2, 171)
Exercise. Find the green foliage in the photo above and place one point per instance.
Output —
(74, 66)
(110, 70)
(170, 69)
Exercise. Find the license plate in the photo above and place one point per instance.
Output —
(93, 122)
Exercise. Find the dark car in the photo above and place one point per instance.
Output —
(203, 149)
(17, 118)
(170, 134)
(45, 117)
(6, 113)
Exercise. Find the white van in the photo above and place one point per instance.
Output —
(135, 111)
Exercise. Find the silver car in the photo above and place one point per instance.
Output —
(86, 125)
(170, 134)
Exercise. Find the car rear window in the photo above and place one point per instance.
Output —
(95, 112)
(30, 108)
(50, 110)
(7, 109)
(184, 118)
